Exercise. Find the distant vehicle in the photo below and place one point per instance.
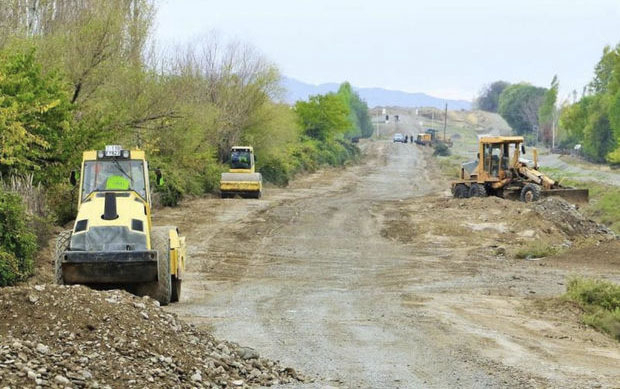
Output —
(399, 138)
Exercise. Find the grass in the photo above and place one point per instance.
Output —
(450, 166)
(536, 249)
(600, 301)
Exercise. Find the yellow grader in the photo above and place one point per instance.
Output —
(500, 171)
(113, 243)
(242, 178)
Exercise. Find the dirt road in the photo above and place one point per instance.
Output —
(330, 277)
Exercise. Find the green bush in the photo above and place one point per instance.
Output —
(601, 302)
(276, 171)
(9, 270)
(441, 149)
(17, 244)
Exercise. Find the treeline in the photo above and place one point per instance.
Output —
(79, 74)
(592, 120)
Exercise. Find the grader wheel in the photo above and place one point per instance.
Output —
(461, 191)
(530, 193)
(477, 190)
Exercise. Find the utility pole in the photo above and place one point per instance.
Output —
(377, 124)
(445, 122)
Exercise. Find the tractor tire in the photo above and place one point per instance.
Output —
(530, 193)
(477, 190)
(176, 290)
(62, 245)
(461, 191)
(160, 290)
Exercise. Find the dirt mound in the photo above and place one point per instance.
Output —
(77, 337)
(567, 218)
(477, 224)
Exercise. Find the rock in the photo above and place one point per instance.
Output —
(196, 377)
(32, 298)
(32, 375)
(237, 382)
(40, 288)
(42, 349)
(62, 380)
(248, 353)
(139, 305)
(144, 315)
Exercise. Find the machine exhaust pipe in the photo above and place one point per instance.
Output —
(109, 208)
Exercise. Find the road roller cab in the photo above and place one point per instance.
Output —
(113, 242)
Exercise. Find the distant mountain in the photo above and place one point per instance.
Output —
(298, 90)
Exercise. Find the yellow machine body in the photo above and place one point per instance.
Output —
(242, 178)
(500, 170)
(113, 239)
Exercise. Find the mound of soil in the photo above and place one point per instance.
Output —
(567, 218)
(72, 336)
(489, 222)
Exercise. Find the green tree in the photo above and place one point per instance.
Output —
(488, 98)
(323, 117)
(547, 112)
(35, 117)
(599, 138)
(519, 104)
(573, 119)
(604, 70)
(359, 116)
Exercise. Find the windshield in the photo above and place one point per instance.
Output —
(240, 160)
(113, 175)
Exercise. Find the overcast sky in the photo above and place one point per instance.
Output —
(446, 48)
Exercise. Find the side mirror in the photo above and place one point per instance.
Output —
(523, 149)
(255, 158)
(73, 177)
(478, 156)
(159, 179)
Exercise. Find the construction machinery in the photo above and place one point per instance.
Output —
(113, 242)
(437, 137)
(242, 178)
(424, 139)
(500, 171)
(431, 137)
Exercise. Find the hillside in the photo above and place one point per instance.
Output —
(298, 90)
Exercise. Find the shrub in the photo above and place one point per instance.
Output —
(9, 270)
(536, 249)
(441, 149)
(276, 171)
(17, 244)
(601, 302)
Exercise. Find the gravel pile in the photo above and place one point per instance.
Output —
(568, 219)
(72, 336)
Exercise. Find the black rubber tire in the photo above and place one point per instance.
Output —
(176, 290)
(62, 245)
(461, 191)
(477, 190)
(160, 290)
(530, 193)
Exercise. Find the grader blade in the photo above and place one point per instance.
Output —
(575, 196)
